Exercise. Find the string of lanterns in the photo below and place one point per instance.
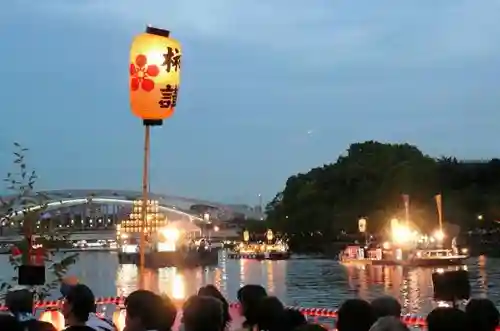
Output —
(154, 219)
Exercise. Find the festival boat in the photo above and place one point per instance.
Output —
(166, 243)
(170, 247)
(355, 254)
(408, 246)
(271, 249)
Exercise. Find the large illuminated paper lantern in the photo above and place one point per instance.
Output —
(154, 69)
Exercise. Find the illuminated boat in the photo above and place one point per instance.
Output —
(166, 243)
(407, 248)
(269, 250)
(356, 254)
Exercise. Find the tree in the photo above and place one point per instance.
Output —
(369, 180)
(25, 207)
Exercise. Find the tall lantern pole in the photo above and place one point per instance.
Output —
(154, 69)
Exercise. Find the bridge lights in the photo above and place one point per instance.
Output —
(154, 77)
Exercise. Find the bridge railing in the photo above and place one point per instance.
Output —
(49, 311)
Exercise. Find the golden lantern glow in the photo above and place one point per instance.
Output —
(246, 236)
(119, 319)
(269, 235)
(154, 69)
(362, 225)
(154, 219)
(394, 223)
(54, 317)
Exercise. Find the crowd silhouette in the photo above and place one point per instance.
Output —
(208, 310)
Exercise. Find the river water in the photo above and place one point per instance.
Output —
(299, 281)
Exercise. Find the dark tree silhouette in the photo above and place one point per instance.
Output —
(369, 180)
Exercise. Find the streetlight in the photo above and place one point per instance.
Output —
(154, 70)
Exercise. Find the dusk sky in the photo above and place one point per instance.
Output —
(269, 88)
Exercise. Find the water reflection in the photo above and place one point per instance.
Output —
(482, 279)
(305, 282)
(126, 279)
(275, 277)
(412, 286)
(178, 288)
(180, 284)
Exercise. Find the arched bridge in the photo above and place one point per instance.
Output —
(171, 203)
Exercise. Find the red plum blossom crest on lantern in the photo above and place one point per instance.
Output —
(140, 73)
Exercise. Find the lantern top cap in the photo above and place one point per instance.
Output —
(157, 31)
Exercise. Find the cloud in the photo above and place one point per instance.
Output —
(469, 30)
(322, 33)
(323, 37)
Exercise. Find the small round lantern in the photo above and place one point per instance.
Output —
(362, 225)
(154, 69)
(54, 317)
(119, 319)
(269, 235)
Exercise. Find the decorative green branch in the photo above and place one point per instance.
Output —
(24, 207)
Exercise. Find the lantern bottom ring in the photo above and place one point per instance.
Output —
(155, 122)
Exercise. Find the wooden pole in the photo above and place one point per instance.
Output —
(440, 211)
(145, 186)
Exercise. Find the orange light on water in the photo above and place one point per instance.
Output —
(178, 287)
